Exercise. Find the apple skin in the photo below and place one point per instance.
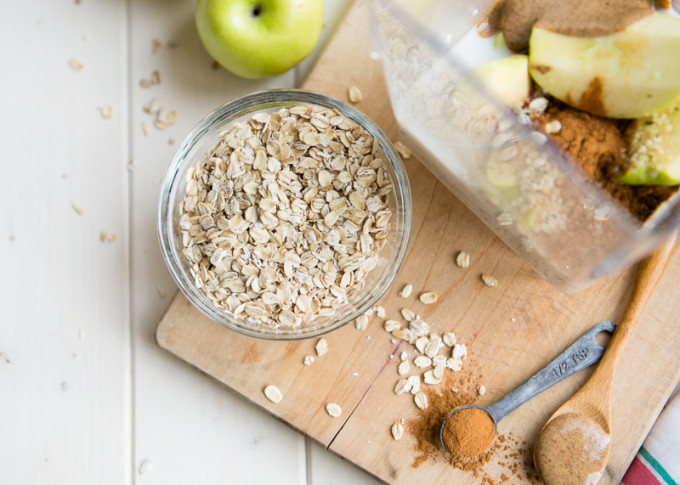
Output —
(256, 39)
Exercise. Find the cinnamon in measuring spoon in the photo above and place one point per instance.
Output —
(468, 433)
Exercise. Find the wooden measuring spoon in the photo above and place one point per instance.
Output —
(573, 446)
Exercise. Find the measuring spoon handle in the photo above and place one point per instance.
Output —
(581, 354)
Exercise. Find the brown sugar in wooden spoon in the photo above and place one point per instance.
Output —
(573, 446)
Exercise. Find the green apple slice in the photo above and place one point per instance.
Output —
(506, 78)
(655, 150)
(628, 74)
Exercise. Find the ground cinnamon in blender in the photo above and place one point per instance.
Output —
(598, 145)
(468, 433)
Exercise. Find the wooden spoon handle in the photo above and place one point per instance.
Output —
(648, 276)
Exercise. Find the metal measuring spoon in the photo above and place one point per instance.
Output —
(581, 354)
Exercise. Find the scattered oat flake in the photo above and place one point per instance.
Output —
(4, 358)
(402, 386)
(403, 356)
(408, 314)
(379, 312)
(414, 382)
(420, 399)
(430, 378)
(273, 394)
(422, 361)
(78, 208)
(321, 347)
(391, 325)
(308, 360)
(171, 141)
(112, 236)
(333, 410)
(449, 338)
(403, 151)
(161, 293)
(145, 128)
(155, 45)
(406, 291)
(397, 430)
(428, 297)
(403, 368)
(361, 323)
(106, 111)
(102, 236)
(481, 390)
(75, 64)
(354, 94)
(145, 466)
(489, 280)
(463, 259)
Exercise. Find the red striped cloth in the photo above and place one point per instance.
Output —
(658, 461)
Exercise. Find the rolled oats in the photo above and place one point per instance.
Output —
(397, 430)
(420, 399)
(402, 386)
(308, 360)
(321, 347)
(428, 297)
(481, 390)
(463, 259)
(403, 356)
(362, 322)
(379, 312)
(489, 280)
(285, 216)
(449, 338)
(402, 149)
(333, 410)
(414, 382)
(407, 314)
(354, 94)
(422, 361)
(106, 111)
(273, 394)
(421, 343)
(75, 64)
(406, 291)
(429, 378)
(459, 352)
(404, 334)
(403, 368)
(391, 325)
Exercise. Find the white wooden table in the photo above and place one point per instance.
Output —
(87, 397)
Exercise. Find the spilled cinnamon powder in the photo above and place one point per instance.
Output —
(507, 459)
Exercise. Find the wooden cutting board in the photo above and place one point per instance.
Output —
(511, 330)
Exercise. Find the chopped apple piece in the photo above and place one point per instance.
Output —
(506, 78)
(628, 74)
(655, 150)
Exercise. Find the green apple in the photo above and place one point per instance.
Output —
(628, 74)
(655, 150)
(506, 78)
(259, 38)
